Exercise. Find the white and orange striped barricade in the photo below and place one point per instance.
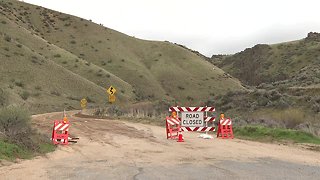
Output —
(192, 109)
(194, 118)
(60, 132)
(225, 129)
(172, 127)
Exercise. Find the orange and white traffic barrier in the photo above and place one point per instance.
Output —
(190, 119)
(172, 127)
(225, 128)
(60, 132)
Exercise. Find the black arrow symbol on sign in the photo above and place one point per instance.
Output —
(111, 90)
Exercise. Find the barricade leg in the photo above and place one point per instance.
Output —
(231, 132)
(219, 131)
(167, 130)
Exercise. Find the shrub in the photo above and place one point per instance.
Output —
(25, 95)
(56, 93)
(7, 38)
(38, 88)
(14, 123)
(16, 128)
(74, 98)
(115, 111)
(73, 42)
(3, 22)
(57, 56)
(19, 83)
(189, 98)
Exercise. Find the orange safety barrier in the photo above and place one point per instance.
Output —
(60, 131)
(225, 129)
(172, 127)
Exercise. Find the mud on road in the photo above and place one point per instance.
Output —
(113, 149)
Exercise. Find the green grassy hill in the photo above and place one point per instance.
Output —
(294, 64)
(283, 81)
(50, 60)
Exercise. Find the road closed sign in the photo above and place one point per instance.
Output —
(192, 119)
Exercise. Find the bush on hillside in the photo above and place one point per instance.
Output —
(15, 125)
(15, 130)
(19, 83)
(25, 95)
(57, 56)
(7, 38)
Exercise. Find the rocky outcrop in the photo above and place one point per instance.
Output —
(313, 36)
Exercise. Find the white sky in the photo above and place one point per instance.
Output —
(208, 26)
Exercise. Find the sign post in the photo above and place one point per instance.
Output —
(112, 98)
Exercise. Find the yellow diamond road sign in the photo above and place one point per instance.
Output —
(111, 90)
(83, 103)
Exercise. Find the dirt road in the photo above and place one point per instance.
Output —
(112, 149)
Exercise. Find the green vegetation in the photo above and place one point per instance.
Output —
(259, 133)
(17, 138)
(283, 82)
(10, 151)
(25, 95)
(45, 49)
(291, 64)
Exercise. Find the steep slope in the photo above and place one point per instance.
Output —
(284, 80)
(295, 63)
(156, 70)
(38, 83)
(140, 70)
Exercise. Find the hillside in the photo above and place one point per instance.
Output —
(295, 64)
(284, 83)
(50, 60)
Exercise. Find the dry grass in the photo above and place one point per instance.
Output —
(78, 58)
(292, 118)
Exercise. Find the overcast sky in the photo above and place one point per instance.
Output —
(208, 26)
